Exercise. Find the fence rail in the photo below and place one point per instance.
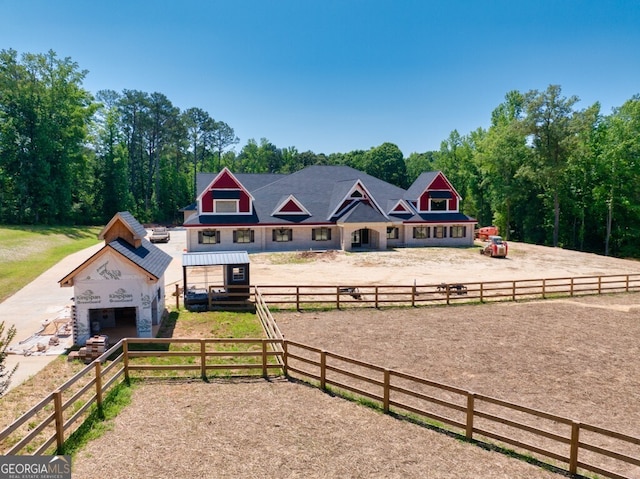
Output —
(475, 416)
(316, 296)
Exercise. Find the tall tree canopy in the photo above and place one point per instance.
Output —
(544, 171)
(44, 117)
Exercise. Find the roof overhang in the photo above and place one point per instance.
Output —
(212, 258)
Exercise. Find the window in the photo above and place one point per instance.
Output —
(392, 232)
(439, 232)
(420, 232)
(209, 237)
(225, 206)
(321, 234)
(238, 273)
(281, 235)
(438, 205)
(458, 231)
(243, 236)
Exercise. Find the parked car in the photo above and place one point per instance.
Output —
(495, 247)
(160, 234)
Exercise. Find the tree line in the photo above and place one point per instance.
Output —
(544, 171)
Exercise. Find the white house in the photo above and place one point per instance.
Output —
(323, 207)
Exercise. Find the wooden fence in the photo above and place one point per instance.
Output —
(319, 296)
(581, 447)
(476, 416)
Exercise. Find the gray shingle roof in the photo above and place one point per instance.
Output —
(133, 223)
(363, 213)
(148, 256)
(420, 184)
(320, 189)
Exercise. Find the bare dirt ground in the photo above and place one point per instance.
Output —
(429, 266)
(276, 429)
(578, 358)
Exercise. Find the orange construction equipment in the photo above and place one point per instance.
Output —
(483, 233)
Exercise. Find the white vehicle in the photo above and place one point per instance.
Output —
(160, 235)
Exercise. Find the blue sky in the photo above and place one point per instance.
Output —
(335, 76)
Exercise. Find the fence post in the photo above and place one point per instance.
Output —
(599, 284)
(57, 405)
(323, 370)
(572, 278)
(627, 284)
(203, 359)
(544, 289)
(482, 292)
(376, 297)
(177, 296)
(513, 290)
(297, 298)
(264, 358)
(98, 367)
(413, 294)
(125, 359)
(470, 412)
(387, 390)
(573, 455)
(337, 297)
(285, 357)
(448, 293)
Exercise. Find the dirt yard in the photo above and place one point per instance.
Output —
(276, 429)
(429, 266)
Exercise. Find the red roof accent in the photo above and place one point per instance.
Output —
(440, 183)
(291, 207)
(225, 180)
(400, 207)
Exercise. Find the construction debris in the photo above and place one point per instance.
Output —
(95, 347)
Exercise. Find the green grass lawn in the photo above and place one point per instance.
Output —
(28, 251)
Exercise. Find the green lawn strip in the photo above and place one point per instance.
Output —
(27, 252)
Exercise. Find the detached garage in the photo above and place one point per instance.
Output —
(121, 286)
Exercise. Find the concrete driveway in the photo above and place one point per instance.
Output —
(43, 299)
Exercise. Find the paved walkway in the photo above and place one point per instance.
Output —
(44, 299)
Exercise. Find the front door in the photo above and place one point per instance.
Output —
(360, 238)
(355, 239)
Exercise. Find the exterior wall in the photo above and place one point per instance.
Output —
(110, 282)
(263, 240)
(410, 241)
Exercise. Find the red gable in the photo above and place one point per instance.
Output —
(291, 207)
(225, 180)
(440, 183)
(400, 208)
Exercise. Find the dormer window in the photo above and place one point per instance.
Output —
(439, 200)
(225, 206)
(438, 205)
